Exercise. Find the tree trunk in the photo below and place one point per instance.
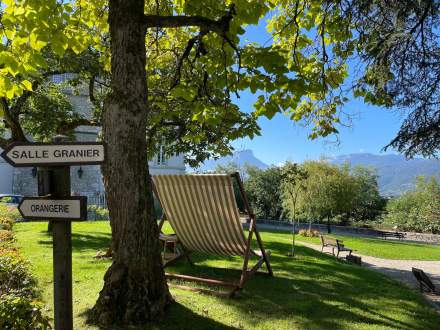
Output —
(135, 289)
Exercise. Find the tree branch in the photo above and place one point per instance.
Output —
(4, 143)
(220, 26)
(66, 127)
(12, 122)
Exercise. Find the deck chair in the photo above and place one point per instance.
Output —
(203, 213)
(425, 282)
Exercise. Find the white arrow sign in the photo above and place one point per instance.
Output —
(67, 208)
(49, 154)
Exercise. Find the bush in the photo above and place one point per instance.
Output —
(19, 309)
(99, 213)
(14, 274)
(6, 237)
(309, 233)
(8, 215)
(20, 312)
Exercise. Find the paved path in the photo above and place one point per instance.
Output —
(400, 270)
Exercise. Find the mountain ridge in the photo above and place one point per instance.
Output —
(396, 173)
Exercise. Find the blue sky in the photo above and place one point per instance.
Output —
(281, 139)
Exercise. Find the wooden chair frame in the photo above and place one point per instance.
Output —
(425, 283)
(246, 271)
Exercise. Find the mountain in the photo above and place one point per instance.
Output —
(240, 158)
(396, 173)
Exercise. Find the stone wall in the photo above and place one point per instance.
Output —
(23, 182)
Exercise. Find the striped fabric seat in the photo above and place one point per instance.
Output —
(202, 212)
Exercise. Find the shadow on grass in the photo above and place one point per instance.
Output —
(177, 317)
(82, 241)
(323, 292)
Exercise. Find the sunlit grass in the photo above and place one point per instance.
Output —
(388, 249)
(310, 291)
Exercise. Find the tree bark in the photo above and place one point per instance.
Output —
(135, 289)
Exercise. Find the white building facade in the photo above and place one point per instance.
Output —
(85, 180)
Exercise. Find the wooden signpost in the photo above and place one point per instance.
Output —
(54, 161)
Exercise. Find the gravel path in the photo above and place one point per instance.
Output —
(400, 270)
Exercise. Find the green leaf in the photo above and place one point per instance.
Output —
(27, 85)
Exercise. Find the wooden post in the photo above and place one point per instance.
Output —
(62, 255)
(55, 181)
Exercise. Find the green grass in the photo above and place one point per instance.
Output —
(388, 249)
(310, 291)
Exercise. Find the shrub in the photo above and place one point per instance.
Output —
(8, 215)
(309, 233)
(99, 213)
(20, 312)
(19, 309)
(14, 274)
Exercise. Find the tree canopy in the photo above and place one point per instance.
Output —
(196, 72)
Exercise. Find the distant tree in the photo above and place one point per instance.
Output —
(368, 204)
(293, 182)
(416, 210)
(263, 189)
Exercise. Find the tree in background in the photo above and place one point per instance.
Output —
(333, 192)
(326, 192)
(416, 210)
(264, 191)
(293, 182)
(368, 203)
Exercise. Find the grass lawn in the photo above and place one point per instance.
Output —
(311, 291)
(388, 249)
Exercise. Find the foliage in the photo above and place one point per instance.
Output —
(6, 237)
(399, 46)
(293, 183)
(20, 312)
(264, 193)
(368, 203)
(14, 274)
(46, 111)
(309, 233)
(99, 213)
(416, 210)
(193, 72)
(8, 214)
(326, 191)
(19, 308)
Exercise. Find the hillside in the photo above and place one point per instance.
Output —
(396, 174)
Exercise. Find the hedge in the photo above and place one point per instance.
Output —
(20, 308)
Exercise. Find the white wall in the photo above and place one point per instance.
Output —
(174, 165)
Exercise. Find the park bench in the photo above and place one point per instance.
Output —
(394, 234)
(334, 244)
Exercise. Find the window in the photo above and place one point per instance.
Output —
(160, 158)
